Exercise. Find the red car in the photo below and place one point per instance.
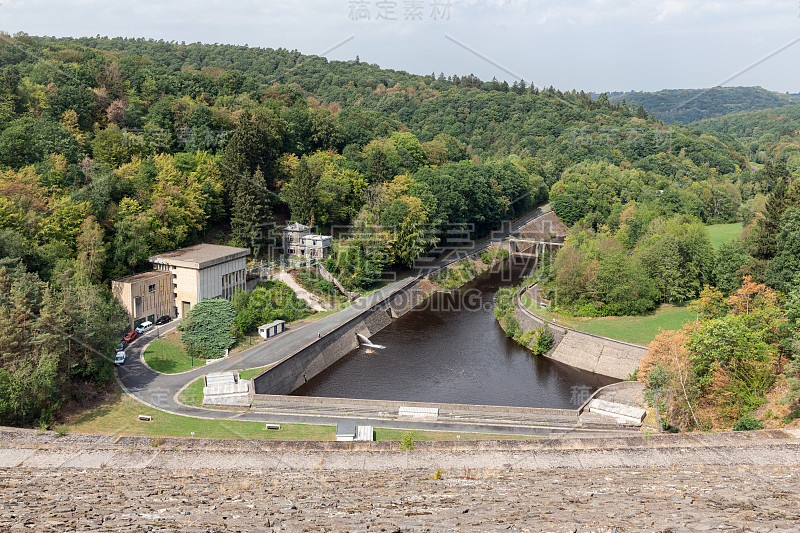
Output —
(130, 336)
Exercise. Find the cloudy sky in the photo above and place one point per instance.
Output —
(597, 45)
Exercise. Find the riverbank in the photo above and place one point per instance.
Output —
(633, 329)
(578, 349)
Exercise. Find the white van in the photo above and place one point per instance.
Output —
(119, 359)
(144, 326)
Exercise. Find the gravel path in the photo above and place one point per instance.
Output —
(312, 299)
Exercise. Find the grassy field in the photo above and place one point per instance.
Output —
(118, 416)
(168, 355)
(722, 233)
(635, 329)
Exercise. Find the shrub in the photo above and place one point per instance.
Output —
(512, 326)
(407, 441)
(542, 340)
(589, 310)
(747, 423)
(61, 430)
(208, 328)
(526, 338)
(504, 302)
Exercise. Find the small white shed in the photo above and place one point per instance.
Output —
(272, 329)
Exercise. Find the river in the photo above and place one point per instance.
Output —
(451, 349)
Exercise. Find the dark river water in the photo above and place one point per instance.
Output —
(450, 349)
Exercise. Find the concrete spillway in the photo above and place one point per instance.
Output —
(366, 343)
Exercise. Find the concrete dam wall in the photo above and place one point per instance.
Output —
(299, 367)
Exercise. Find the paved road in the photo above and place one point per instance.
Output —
(159, 390)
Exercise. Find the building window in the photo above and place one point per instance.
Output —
(151, 288)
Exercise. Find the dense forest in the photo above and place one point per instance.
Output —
(766, 135)
(690, 105)
(112, 150)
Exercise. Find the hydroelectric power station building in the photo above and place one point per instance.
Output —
(180, 279)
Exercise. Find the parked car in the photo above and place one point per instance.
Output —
(121, 346)
(163, 320)
(119, 359)
(144, 326)
(128, 337)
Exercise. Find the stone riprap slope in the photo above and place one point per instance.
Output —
(733, 482)
(664, 499)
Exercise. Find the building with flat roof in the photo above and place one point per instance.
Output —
(203, 271)
(146, 296)
(181, 279)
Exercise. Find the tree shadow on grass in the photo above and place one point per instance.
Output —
(105, 407)
(167, 358)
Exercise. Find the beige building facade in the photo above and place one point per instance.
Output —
(203, 271)
(182, 278)
(146, 296)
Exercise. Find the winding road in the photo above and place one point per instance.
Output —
(161, 390)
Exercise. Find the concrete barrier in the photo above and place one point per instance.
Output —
(586, 351)
(397, 409)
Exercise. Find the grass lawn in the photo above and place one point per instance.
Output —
(193, 394)
(251, 373)
(722, 233)
(635, 329)
(168, 355)
(118, 416)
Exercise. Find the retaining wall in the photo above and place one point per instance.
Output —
(586, 351)
(391, 407)
(299, 367)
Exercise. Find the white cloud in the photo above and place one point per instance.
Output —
(588, 44)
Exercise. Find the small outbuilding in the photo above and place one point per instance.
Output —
(272, 329)
(347, 431)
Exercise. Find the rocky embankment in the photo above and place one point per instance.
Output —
(729, 482)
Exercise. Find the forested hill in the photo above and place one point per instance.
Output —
(112, 150)
(690, 105)
(768, 134)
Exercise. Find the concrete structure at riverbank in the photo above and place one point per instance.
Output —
(586, 351)
(691, 482)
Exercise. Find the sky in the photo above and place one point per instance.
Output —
(591, 45)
